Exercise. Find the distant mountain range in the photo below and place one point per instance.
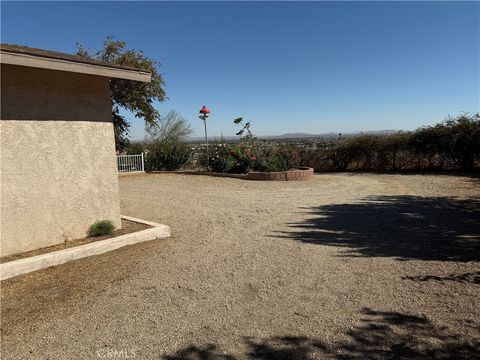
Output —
(301, 135)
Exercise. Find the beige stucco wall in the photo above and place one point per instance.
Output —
(57, 157)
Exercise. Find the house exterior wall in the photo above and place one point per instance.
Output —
(57, 157)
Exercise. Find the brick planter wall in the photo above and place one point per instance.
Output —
(301, 173)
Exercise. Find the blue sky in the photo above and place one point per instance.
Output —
(311, 67)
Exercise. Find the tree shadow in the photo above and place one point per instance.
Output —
(380, 335)
(471, 277)
(394, 335)
(285, 348)
(202, 352)
(403, 227)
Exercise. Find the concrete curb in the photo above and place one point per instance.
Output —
(23, 266)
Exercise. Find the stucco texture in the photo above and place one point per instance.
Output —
(58, 166)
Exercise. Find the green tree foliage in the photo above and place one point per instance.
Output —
(165, 143)
(170, 127)
(135, 96)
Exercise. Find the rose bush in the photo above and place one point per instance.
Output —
(242, 158)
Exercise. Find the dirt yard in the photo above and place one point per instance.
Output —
(347, 266)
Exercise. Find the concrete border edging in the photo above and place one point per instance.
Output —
(23, 266)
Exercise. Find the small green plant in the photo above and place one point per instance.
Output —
(99, 228)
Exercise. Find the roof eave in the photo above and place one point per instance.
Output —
(70, 66)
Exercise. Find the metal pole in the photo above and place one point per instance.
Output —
(206, 141)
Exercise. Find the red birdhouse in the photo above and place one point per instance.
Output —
(204, 110)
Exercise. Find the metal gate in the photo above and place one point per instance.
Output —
(130, 163)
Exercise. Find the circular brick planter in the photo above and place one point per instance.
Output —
(296, 174)
(299, 173)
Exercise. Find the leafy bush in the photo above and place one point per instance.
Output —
(135, 148)
(316, 158)
(100, 228)
(167, 155)
(428, 147)
(219, 158)
(248, 155)
(242, 158)
(274, 158)
(462, 140)
(393, 152)
(454, 143)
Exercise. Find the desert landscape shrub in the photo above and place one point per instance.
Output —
(451, 144)
(454, 143)
(135, 148)
(169, 155)
(272, 157)
(249, 154)
(100, 228)
(242, 157)
(462, 140)
(219, 158)
(393, 152)
(166, 148)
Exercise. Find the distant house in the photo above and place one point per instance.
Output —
(57, 150)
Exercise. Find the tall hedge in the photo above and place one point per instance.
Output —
(452, 144)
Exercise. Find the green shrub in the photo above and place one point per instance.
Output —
(249, 154)
(454, 143)
(462, 140)
(135, 148)
(242, 158)
(167, 155)
(99, 228)
(274, 158)
(219, 158)
(428, 147)
(393, 152)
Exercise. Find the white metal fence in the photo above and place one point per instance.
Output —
(130, 163)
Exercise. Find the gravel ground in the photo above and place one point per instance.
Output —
(346, 266)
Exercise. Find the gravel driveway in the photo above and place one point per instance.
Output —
(346, 266)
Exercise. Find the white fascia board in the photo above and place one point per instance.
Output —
(70, 66)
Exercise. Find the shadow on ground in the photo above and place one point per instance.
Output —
(403, 227)
(465, 278)
(380, 335)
